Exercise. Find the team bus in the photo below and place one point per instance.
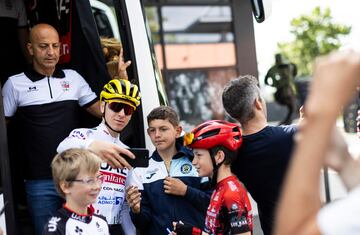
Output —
(80, 23)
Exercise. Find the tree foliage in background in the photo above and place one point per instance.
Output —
(153, 22)
(154, 25)
(315, 34)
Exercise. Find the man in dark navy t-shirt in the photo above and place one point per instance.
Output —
(263, 158)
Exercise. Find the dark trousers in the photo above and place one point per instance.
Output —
(116, 229)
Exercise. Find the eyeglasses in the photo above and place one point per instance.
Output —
(117, 107)
(90, 182)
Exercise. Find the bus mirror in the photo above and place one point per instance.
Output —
(261, 9)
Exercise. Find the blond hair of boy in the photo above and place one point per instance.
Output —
(67, 165)
(77, 178)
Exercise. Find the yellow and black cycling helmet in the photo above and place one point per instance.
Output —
(123, 91)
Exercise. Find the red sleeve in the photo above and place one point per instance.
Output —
(239, 211)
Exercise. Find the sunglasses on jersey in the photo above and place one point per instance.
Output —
(117, 107)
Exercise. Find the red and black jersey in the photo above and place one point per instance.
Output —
(229, 211)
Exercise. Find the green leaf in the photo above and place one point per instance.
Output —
(314, 34)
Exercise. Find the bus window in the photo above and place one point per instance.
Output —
(102, 23)
(194, 45)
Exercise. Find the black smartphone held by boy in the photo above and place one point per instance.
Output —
(141, 157)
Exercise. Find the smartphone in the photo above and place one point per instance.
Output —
(141, 157)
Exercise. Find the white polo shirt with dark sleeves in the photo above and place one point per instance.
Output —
(47, 110)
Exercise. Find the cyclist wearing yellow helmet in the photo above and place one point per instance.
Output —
(119, 99)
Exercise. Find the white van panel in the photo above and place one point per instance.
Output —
(110, 15)
(147, 82)
(2, 217)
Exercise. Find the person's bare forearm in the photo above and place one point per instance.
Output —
(94, 110)
(335, 79)
(301, 198)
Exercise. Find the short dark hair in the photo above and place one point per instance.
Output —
(230, 156)
(164, 113)
(239, 96)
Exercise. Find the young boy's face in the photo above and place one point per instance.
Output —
(84, 190)
(202, 162)
(163, 134)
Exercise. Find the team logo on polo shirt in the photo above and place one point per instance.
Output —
(32, 88)
(186, 168)
(65, 85)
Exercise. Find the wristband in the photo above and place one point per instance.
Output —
(187, 229)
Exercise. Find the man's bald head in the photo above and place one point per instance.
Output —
(41, 29)
(44, 47)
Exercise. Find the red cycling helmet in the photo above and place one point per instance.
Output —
(214, 133)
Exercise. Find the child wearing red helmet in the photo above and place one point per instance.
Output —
(215, 144)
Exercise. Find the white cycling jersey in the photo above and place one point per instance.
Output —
(110, 202)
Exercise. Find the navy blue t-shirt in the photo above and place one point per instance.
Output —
(261, 166)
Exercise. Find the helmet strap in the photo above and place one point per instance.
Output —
(215, 170)
(106, 123)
